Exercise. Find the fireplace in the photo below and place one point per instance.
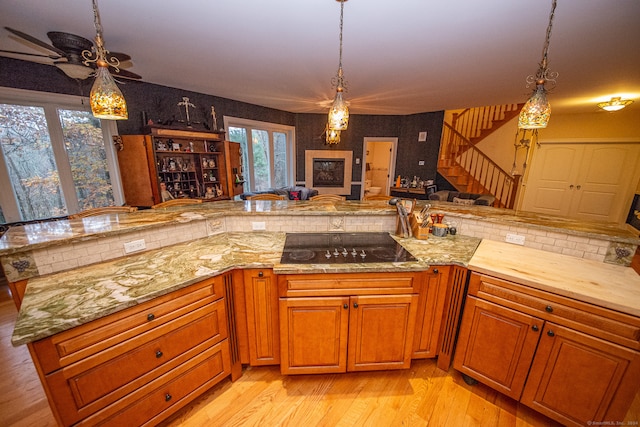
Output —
(328, 171)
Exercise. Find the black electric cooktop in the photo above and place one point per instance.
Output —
(342, 248)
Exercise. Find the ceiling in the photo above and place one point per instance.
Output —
(399, 57)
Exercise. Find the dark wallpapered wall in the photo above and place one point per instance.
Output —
(160, 103)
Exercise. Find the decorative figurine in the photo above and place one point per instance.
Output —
(186, 104)
(213, 118)
(164, 193)
(209, 194)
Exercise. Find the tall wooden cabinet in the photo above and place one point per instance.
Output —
(574, 362)
(191, 164)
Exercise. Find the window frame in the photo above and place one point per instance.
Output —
(51, 102)
(271, 128)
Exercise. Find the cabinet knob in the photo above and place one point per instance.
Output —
(549, 309)
(158, 354)
(435, 271)
(261, 274)
(150, 316)
(550, 333)
(535, 328)
(355, 305)
(167, 397)
(346, 306)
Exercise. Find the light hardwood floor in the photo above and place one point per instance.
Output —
(420, 396)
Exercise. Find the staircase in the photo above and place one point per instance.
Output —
(466, 167)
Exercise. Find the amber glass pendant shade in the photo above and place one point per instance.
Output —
(536, 112)
(339, 113)
(107, 101)
(332, 136)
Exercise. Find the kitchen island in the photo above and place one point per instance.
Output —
(203, 251)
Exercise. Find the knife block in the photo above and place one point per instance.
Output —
(419, 232)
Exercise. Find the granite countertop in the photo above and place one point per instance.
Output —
(61, 301)
(605, 285)
(40, 235)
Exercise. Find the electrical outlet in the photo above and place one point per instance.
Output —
(134, 246)
(516, 239)
(256, 226)
(420, 162)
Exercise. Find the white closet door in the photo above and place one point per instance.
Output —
(553, 169)
(591, 182)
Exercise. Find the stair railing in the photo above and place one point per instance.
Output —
(488, 177)
(471, 122)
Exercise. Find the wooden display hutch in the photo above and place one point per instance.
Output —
(191, 164)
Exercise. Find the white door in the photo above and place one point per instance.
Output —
(378, 163)
(592, 182)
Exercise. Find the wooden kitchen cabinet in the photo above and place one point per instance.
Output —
(263, 327)
(140, 364)
(572, 361)
(432, 294)
(188, 162)
(346, 322)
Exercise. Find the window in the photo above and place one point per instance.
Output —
(54, 157)
(267, 152)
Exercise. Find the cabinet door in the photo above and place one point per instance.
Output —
(496, 345)
(314, 333)
(137, 171)
(261, 296)
(430, 308)
(381, 330)
(576, 378)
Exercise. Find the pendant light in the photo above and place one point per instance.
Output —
(332, 136)
(339, 111)
(107, 101)
(536, 111)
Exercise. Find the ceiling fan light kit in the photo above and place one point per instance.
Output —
(536, 111)
(107, 101)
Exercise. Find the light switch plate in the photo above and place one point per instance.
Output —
(258, 225)
(134, 246)
(422, 136)
(516, 239)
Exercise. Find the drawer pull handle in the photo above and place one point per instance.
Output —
(550, 333)
(346, 306)
(167, 397)
(355, 305)
(535, 328)
(435, 271)
(158, 354)
(549, 309)
(261, 274)
(150, 316)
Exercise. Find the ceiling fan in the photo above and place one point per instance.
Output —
(66, 52)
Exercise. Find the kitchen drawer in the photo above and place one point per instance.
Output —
(84, 387)
(80, 342)
(334, 284)
(154, 402)
(588, 318)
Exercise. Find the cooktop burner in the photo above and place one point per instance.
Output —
(342, 248)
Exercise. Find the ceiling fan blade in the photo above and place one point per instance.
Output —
(124, 74)
(31, 54)
(35, 41)
(122, 57)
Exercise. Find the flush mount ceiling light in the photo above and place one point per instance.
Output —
(536, 111)
(339, 111)
(107, 101)
(615, 104)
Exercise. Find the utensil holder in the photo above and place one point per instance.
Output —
(419, 232)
